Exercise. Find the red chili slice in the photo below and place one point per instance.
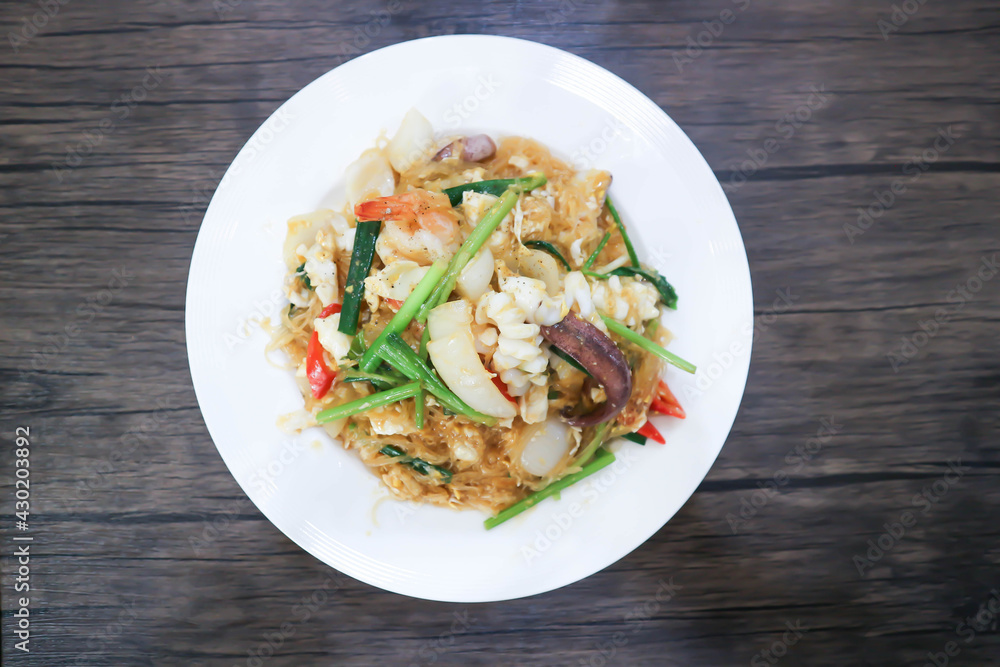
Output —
(650, 432)
(320, 376)
(503, 389)
(330, 310)
(666, 403)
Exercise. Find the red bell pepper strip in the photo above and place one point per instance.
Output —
(330, 310)
(320, 376)
(503, 389)
(650, 431)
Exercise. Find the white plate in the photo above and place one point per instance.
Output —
(321, 496)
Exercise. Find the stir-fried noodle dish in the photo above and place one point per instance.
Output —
(475, 324)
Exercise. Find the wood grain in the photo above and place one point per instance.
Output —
(147, 553)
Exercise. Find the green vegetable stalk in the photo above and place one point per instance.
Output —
(494, 187)
(361, 263)
(368, 403)
(617, 327)
(602, 459)
(406, 313)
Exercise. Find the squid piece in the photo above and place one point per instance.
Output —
(599, 355)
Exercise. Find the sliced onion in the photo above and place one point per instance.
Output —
(369, 176)
(413, 142)
(474, 281)
(453, 352)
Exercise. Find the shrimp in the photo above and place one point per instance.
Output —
(420, 226)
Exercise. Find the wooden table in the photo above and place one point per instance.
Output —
(875, 377)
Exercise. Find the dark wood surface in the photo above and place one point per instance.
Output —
(145, 550)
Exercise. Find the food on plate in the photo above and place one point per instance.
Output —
(475, 324)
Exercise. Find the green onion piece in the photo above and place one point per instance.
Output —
(648, 345)
(597, 251)
(419, 410)
(636, 438)
(423, 467)
(551, 249)
(491, 220)
(568, 359)
(621, 227)
(368, 403)
(406, 313)
(596, 440)
(303, 276)
(425, 338)
(399, 354)
(667, 292)
(361, 263)
(357, 348)
(378, 381)
(494, 187)
(603, 459)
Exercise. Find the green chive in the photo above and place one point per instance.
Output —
(368, 403)
(648, 345)
(593, 256)
(361, 263)
(551, 249)
(603, 459)
(621, 228)
(423, 467)
(406, 313)
(636, 438)
(495, 187)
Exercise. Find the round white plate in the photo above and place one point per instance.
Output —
(321, 496)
